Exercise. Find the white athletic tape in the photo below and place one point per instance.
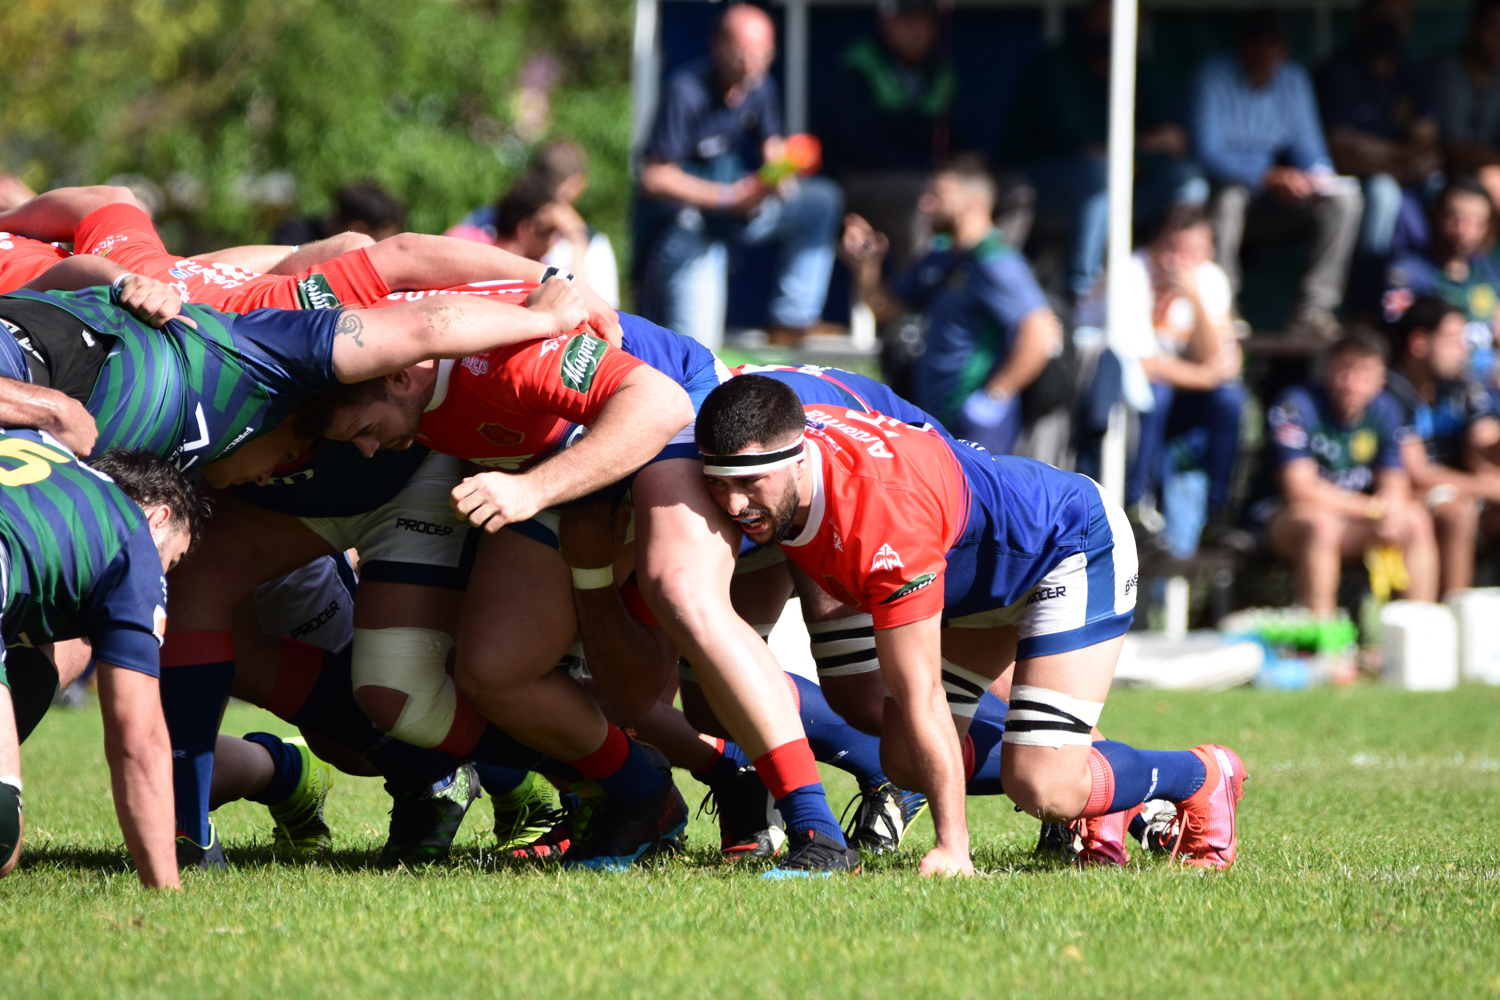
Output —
(1041, 717)
(844, 647)
(963, 688)
(409, 660)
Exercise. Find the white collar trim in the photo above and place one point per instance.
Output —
(440, 389)
(819, 500)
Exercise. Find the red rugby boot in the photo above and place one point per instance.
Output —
(1207, 837)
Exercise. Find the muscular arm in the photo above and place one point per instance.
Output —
(10, 766)
(54, 215)
(1191, 375)
(140, 767)
(910, 664)
(1036, 338)
(640, 418)
(373, 342)
(276, 259)
(73, 273)
(1483, 482)
(25, 405)
(1300, 483)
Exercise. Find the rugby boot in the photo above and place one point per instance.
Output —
(619, 834)
(815, 855)
(1160, 826)
(1055, 841)
(194, 855)
(300, 830)
(550, 846)
(424, 822)
(524, 814)
(749, 826)
(1100, 840)
(884, 815)
(1207, 837)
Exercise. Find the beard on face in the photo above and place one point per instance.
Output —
(779, 515)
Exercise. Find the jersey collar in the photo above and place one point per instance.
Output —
(440, 389)
(819, 500)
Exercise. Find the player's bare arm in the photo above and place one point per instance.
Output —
(371, 343)
(65, 418)
(11, 828)
(643, 415)
(149, 300)
(53, 215)
(140, 767)
(910, 661)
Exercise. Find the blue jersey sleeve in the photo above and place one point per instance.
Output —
(1009, 290)
(127, 608)
(289, 351)
(1290, 422)
(1393, 429)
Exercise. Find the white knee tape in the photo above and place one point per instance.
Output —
(844, 647)
(963, 688)
(409, 660)
(1040, 717)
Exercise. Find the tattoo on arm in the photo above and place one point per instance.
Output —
(350, 325)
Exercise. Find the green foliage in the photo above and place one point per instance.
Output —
(220, 101)
(1368, 867)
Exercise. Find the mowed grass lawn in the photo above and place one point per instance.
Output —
(1369, 866)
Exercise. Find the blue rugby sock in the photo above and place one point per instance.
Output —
(197, 670)
(500, 781)
(620, 768)
(728, 760)
(286, 763)
(1138, 775)
(791, 773)
(833, 740)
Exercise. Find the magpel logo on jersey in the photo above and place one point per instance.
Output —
(314, 292)
(580, 361)
(920, 583)
(886, 558)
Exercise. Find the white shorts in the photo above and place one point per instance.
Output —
(314, 604)
(416, 537)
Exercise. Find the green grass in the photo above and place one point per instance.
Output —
(1368, 867)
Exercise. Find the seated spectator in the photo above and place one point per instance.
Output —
(1185, 342)
(1256, 132)
(989, 329)
(580, 249)
(1455, 269)
(1378, 112)
(1059, 134)
(1336, 459)
(524, 221)
(1451, 434)
(889, 123)
(719, 120)
(358, 208)
(1466, 94)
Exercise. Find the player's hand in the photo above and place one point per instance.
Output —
(71, 424)
(1289, 184)
(941, 861)
(745, 195)
(559, 298)
(591, 536)
(491, 500)
(861, 243)
(603, 319)
(151, 301)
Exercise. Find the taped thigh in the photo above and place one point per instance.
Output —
(412, 661)
(963, 688)
(844, 647)
(1041, 717)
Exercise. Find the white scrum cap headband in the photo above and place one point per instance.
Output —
(752, 463)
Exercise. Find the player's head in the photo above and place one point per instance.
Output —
(749, 431)
(1185, 239)
(173, 509)
(960, 189)
(744, 45)
(1430, 336)
(1462, 216)
(908, 28)
(367, 208)
(1356, 372)
(520, 222)
(380, 413)
(256, 459)
(1262, 44)
(564, 165)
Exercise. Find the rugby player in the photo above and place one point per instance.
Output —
(508, 410)
(981, 562)
(83, 553)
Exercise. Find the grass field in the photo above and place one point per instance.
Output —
(1369, 866)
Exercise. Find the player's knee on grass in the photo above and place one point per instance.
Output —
(1050, 783)
(402, 684)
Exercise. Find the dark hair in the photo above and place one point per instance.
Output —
(149, 480)
(1267, 24)
(1426, 313)
(1180, 218)
(312, 417)
(747, 409)
(1361, 343)
(526, 197)
(369, 203)
(557, 160)
(973, 168)
(1462, 184)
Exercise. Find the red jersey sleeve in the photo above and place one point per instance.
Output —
(125, 235)
(571, 377)
(22, 259)
(901, 558)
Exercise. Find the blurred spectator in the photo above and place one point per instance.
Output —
(718, 121)
(889, 123)
(359, 208)
(1455, 269)
(1335, 452)
(1451, 434)
(989, 330)
(1059, 135)
(525, 219)
(1184, 340)
(1378, 111)
(581, 250)
(1466, 91)
(1256, 131)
